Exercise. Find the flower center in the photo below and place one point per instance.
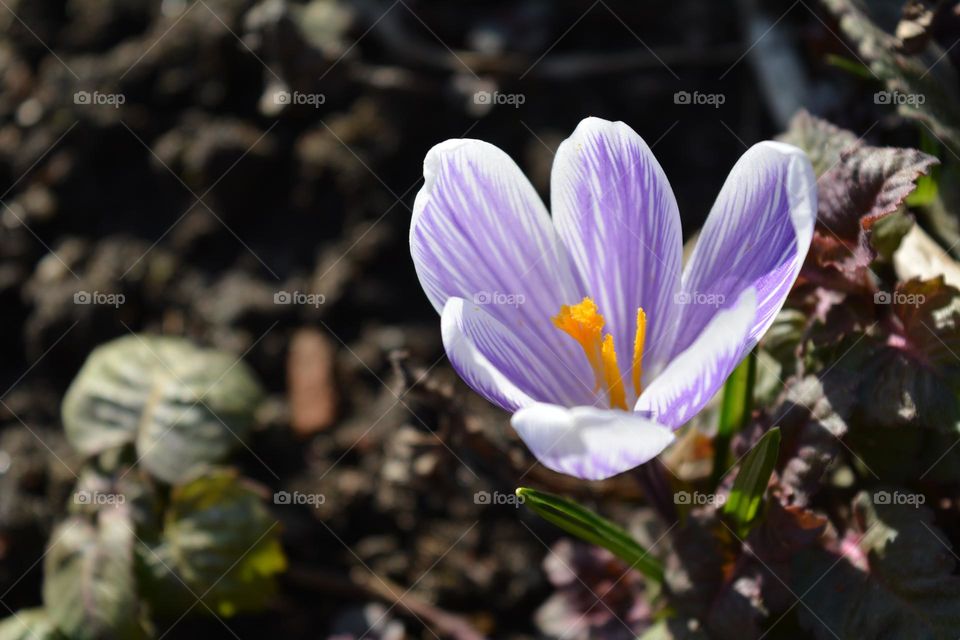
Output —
(582, 323)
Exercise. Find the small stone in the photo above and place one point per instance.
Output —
(311, 382)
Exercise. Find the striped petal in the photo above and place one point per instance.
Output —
(480, 232)
(691, 379)
(615, 211)
(589, 443)
(757, 236)
(496, 363)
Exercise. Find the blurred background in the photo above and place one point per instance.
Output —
(242, 173)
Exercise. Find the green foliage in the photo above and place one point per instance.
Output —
(588, 526)
(750, 485)
(150, 412)
(734, 411)
(889, 232)
(219, 544)
(29, 624)
(88, 588)
(183, 408)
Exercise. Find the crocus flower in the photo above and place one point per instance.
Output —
(587, 326)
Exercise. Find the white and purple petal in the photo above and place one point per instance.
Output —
(692, 377)
(616, 213)
(589, 443)
(480, 232)
(497, 364)
(756, 236)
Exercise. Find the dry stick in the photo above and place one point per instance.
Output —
(442, 622)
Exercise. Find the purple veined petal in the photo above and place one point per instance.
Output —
(589, 443)
(499, 365)
(692, 377)
(615, 211)
(480, 232)
(757, 236)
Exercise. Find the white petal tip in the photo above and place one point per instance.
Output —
(589, 443)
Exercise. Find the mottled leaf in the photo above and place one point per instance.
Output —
(738, 611)
(29, 624)
(785, 530)
(221, 543)
(578, 571)
(695, 569)
(820, 140)
(929, 312)
(867, 184)
(909, 591)
(184, 407)
(814, 415)
(88, 587)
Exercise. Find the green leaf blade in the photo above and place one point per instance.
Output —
(590, 527)
(735, 411)
(750, 485)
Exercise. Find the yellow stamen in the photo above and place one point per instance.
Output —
(638, 344)
(582, 323)
(611, 374)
